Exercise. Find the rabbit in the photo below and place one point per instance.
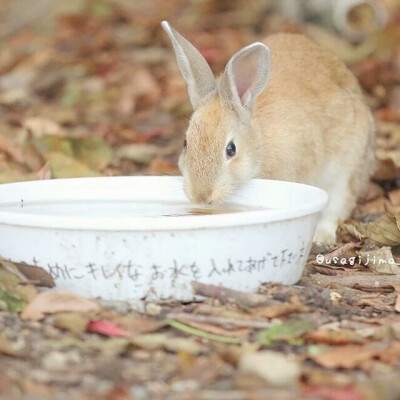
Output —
(285, 109)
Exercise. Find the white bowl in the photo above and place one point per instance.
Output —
(115, 237)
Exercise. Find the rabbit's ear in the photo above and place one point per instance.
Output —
(245, 76)
(195, 69)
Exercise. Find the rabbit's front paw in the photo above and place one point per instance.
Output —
(325, 232)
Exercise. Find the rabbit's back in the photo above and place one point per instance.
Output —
(301, 68)
(313, 120)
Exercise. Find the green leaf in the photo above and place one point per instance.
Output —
(62, 166)
(193, 331)
(47, 144)
(10, 302)
(290, 331)
(94, 152)
(101, 9)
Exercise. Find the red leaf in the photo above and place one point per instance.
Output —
(106, 328)
(330, 393)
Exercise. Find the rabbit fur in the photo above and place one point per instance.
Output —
(294, 112)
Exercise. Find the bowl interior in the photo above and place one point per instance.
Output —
(148, 201)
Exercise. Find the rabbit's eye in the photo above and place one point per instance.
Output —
(184, 144)
(230, 149)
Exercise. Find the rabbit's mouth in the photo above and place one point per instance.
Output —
(214, 196)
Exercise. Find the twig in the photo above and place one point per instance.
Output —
(229, 295)
(221, 320)
(200, 333)
(341, 250)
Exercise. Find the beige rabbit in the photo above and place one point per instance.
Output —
(310, 124)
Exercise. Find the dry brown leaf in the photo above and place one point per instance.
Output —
(372, 192)
(36, 275)
(137, 323)
(397, 304)
(376, 206)
(348, 231)
(344, 336)
(347, 357)
(239, 332)
(53, 302)
(8, 348)
(75, 322)
(227, 295)
(141, 153)
(44, 172)
(394, 197)
(385, 170)
(341, 251)
(63, 166)
(384, 231)
(367, 280)
(391, 354)
(380, 260)
(159, 166)
(278, 310)
(38, 127)
(140, 90)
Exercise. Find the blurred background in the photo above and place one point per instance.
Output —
(91, 87)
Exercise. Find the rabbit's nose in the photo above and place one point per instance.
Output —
(203, 197)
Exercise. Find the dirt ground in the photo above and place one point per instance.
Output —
(91, 88)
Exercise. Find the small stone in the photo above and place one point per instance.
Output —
(277, 369)
(59, 361)
(153, 309)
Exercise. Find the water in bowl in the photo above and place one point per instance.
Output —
(121, 208)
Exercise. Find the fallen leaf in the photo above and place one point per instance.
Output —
(44, 173)
(367, 280)
(390, 354)
(26, 292)
(341, 251)
(107, 328)
(373, 191)
(138, 323)
(36, 275)
(62, 166)
(229, 295)
(155, 341)
(238, 332)
(93, 151)
(348, 357)
(397, 304)
(141, 153)
(376, 206)
(380, 260)
(50, 144)
(74, 322)
(334, 337)
(8, 348)
(140, 90)
(10, 301)
(278, 310)
(39, 127)
(349, 231)
(394, 197)
(53, 302)
(159, 166)
(275, 368)
(290, 331)
(333, 393)
(384, 231)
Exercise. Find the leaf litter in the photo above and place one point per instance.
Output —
(91, 88)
